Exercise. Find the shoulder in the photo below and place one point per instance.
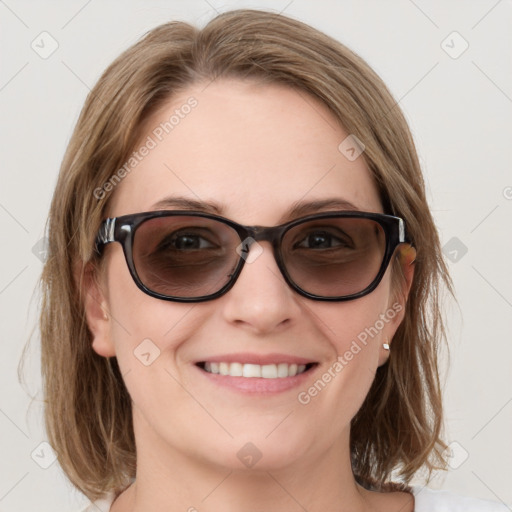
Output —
(101, 505)
(429, 500)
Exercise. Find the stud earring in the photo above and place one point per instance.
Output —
(386, 345)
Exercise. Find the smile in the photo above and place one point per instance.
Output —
(267, 371)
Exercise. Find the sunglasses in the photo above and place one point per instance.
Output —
(191, 256)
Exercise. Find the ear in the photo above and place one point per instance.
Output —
(97, 312)
(400, 293)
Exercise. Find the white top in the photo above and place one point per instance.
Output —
(429, 500)
(426, 500)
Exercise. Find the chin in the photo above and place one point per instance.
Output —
(256, 453)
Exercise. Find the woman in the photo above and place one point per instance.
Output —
(241, 295)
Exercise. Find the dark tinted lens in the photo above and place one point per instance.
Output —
(334, 257)
(184, 256)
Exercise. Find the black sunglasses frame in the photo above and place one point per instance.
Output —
(122, 229)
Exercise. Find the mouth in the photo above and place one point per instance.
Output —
(250, 370)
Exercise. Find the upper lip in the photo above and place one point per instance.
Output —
(251, 358)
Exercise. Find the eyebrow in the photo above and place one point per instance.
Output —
(298, 209)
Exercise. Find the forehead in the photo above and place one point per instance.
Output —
(253, 149)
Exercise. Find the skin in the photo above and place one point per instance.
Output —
(255, 149)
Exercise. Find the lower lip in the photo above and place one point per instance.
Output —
(258, 385)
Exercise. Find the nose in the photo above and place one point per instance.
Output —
(261, 300)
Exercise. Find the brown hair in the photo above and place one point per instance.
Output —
(88, 409)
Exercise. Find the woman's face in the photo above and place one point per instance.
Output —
(254, 150)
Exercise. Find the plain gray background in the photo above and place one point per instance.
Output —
(458, 102)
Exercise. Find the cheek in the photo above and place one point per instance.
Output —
(357, 322)
(143, 328)
(147, 334)
(355, 330)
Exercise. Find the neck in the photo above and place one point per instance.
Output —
(174, 479)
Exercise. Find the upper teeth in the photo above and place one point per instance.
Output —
(267, 371)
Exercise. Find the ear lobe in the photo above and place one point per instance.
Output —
(96, 313)
(407, 257)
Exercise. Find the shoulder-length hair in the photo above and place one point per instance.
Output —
(88, 413)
